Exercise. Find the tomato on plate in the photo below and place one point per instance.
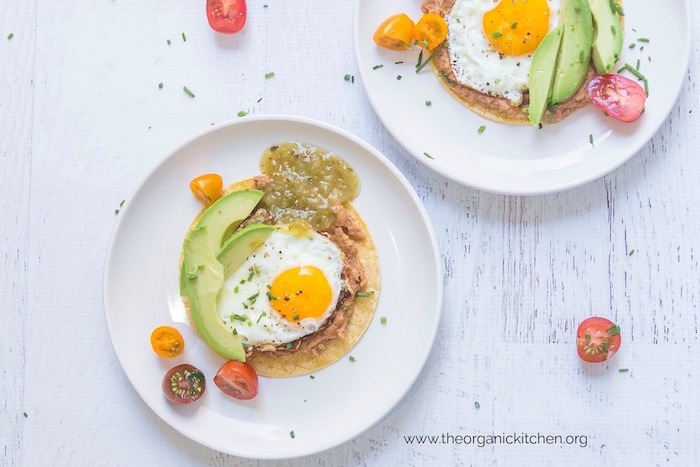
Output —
(167, 341)
(227, 16)
(430, 31)
(207, 188)
(597, 339)
(396, 32)
(617, 96)
(184, 384)
(237, 379)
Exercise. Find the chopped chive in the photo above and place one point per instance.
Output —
(160, 85)
(365, 294)
(632, 45)
(352, 79)
(259, 100)
(429, 157)
(291, 434)
(184, 37)
(420, 58)
(295, 317)
(376, 67)
(646, 86)
(122, 203)
(637, 67)
(312, 377)
(496, 35)
(614, 331)
(187, 91)
(265, 6)
(250, 276)
(260, 317)
(245, 305)
(351, 358)
(588, 337)
(514, 25)
(168, 41)
(476, 404)
(382, 320)
(590, 139)
(254, 296)
(430, 58)
(398, 77)
(25, 414)
(10, 36)
(235, 331)
(643, 39)
(428, 103)
(630, 253)
(632, 70)
(398, 63)
(347, 77)
(623, 370)
(116, 211)
(481, 129)
(289, 345)
(235, 289)
(242, 113)
(270, 296)
(269, 75)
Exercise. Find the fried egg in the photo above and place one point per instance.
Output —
(285, 290)
(491, 43)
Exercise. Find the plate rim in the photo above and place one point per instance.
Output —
(541, 190)
(418, 205)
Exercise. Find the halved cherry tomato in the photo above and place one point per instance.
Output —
(207, 188)
(617, 96)
(597, 339)
(184, 384)
(396, 32)
(237, 379)
(167, 341)
(227, 16)
(430, 31)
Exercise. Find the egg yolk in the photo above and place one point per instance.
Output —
(516, 27)
(301, 292)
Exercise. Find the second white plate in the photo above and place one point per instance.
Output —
(511, 159)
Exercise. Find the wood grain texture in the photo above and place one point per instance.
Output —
(83, 119)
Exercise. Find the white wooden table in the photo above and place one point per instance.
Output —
(82, 119)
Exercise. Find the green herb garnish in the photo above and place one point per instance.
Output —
(376, 67)
(614, 331)
(382, 320)
(398, 77)
(496, 35)
(476, 404)
(643, 39)
(623, 370)
(365, 294)
(430, 58)
(351, 358)
(632, 70)
(184, 37)
(481, 129)
(428, 103)
(242, 113)
(160, 85)
(429, 157)
(270, 75)
(291, 434)
(187, 91)
(289, 345)
(10, 36)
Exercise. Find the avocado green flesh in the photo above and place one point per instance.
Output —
(541, 75)
(224, 216)
(607, 40)
(204, 277)
(241, 245)
(574, 56)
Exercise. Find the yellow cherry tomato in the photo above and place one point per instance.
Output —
(396, 32)
(430, 31)
(167, 341)
(207, 188)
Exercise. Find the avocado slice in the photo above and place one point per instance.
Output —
(607, 37)
(241, 245)
(574, 56)
(224, 216)
(541, 76)
(205, 277)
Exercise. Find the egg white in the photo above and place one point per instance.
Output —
(244, 304)
(476, 63)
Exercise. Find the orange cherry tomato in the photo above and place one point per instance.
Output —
(207, 188)
(396, 32)
(430, 31)
(167, 341)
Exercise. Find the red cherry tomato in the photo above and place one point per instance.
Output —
(237, 379)
(183, 384)
(597, 339)
(227, 16)
(617, 96)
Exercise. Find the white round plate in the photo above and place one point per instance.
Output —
(520, 159)
(342, 400)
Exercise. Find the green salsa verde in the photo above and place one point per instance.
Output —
(307, 182)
